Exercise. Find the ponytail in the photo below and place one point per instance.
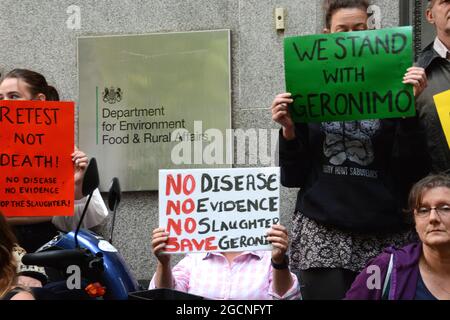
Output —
(36, 83)
(51, 94)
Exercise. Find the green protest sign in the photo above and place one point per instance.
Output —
(350, 76)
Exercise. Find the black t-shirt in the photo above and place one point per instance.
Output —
(355, 175)
(422, 292)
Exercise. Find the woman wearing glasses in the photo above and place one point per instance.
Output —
(419, 271)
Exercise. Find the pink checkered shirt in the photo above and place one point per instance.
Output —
(210, 275)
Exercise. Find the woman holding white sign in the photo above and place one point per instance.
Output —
(354, 178)
(249, 275)
(33, 232)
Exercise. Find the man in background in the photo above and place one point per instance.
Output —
(435, 59)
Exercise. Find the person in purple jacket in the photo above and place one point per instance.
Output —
(419, 271)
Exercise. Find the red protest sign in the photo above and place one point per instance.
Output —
(36, 170)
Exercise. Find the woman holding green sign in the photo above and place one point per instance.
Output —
(354, 178)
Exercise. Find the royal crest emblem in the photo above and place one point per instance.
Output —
(112, 95)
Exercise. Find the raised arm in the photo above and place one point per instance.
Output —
(282, 280)
(163, 276)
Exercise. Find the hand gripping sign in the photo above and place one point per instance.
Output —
(36, 170)
(218, 209)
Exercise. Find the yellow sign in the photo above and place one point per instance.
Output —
(442, 102)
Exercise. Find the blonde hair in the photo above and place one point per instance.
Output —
(331, 6)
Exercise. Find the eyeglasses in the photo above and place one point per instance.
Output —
(423, 212)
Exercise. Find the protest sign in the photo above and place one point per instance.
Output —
(36, 170)
(350, 76)
(218, 209)
(442, 102)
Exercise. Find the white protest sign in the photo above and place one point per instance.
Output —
(218, 209)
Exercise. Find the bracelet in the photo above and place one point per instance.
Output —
(281, 266)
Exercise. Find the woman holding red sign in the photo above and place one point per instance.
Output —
(33, 232)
